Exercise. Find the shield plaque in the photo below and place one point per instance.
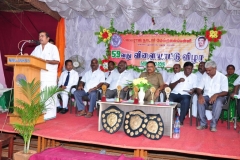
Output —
(112, 119)
(154, 127)
(134, 123)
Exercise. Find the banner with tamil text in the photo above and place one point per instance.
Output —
(164, 50)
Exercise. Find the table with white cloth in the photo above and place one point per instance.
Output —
(166, 112)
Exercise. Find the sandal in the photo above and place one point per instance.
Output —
(89, 115)
(81, 113)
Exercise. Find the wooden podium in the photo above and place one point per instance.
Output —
(25, 67)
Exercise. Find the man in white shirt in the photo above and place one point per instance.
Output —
(90, 82)
(68, 78)
(50, 54)
(111, 67)
(183, 85)
(176, 69)
(199, 74)
(119, 77)
(215, 87)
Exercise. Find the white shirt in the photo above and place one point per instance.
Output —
(73, 79)
(107, 73)
(237, 82)
(169, 78)
(216, 84)
(92, 79)
(50, 52)
(117, 78)
(199, 76)
(188, 84)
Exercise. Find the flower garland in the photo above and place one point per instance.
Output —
(213, 35)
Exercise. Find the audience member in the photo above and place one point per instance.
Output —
(183, 85)
(231, 78)
(176, 69)
(118, 77)
(215, 87)
(111, 67)
(68, 78)
(154, 78)
(90, 82)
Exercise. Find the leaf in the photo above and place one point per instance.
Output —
(224, 32)
(97, 33)
(218, 43)
(219, 27)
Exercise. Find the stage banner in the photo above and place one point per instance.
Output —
(164, 50)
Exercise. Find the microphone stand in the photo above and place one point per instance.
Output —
(22, 47)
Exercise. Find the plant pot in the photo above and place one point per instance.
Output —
(141, 95)
(23, 156)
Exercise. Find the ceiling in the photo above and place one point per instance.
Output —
(27, 5)
(133, 10)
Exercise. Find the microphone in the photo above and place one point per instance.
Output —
(34, 42)
(27, 41)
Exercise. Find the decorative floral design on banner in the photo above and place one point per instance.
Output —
(104, 65)
(213, 35)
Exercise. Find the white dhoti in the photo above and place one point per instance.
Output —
(194, 109)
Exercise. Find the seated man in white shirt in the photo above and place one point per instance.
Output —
(119, 77)
(68, 78)
(176, 69)
(199, 74)
(111, 67)
(215, 87)
(90, 82)
(183, 85)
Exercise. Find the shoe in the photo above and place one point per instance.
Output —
(202, 127)
(181, 123)
(89, 115)
(59, 109)
(213, 129)
(64, 110)
(81, 113)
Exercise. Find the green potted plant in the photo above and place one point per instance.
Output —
(30, 110)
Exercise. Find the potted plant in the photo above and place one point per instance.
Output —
(30, 110)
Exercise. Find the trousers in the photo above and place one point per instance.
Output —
(78, 94)
(216, 110)
(184, 100)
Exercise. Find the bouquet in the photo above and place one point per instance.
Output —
(142, 83)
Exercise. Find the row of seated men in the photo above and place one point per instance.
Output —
(210, 85)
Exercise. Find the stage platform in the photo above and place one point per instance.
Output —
(224, 143)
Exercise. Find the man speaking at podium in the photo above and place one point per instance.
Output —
(50, 54)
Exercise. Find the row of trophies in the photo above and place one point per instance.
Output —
(135, 90)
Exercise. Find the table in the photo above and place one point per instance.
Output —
(166, 112)
(6, 139)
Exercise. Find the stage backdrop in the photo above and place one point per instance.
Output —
(81, 38)
(165, 50)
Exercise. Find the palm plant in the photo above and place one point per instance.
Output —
(31, 109)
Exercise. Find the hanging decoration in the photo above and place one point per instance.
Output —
(213, 35)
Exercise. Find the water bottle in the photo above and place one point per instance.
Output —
(176, 130)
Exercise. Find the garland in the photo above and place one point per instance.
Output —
(213, 35)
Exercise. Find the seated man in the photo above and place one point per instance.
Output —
(199, 74)
(119, 77)
(68, 78)
(215, 87)
(111, 67)
(182, 85)
(176, 69)
(90, 82)
(153, 78)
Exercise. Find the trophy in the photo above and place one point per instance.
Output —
(104, 89)
(119, 88)
(152, 91)
(168, 91)
(135, 89)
